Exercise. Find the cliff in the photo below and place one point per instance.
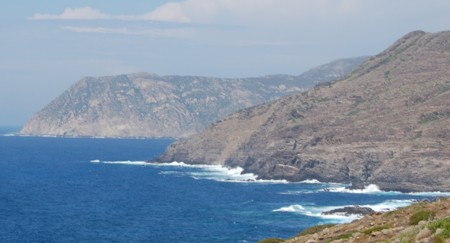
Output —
(148, 105)
(387, 123)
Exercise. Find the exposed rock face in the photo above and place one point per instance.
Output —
(387, 123)
(148, 105)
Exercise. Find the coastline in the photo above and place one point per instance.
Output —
(425, 221)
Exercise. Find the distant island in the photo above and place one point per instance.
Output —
(149, 105)
(386, 123)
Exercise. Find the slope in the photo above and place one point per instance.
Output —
(387, 123)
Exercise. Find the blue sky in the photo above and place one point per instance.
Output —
(46, 46)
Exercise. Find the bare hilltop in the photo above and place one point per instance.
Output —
(386, 123)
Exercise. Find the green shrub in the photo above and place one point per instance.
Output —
(422, 215)
(377, 228)
(271, 240)
(315, 229)
(441, 224)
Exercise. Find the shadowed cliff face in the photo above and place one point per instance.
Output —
(148, 105)
(387, 123)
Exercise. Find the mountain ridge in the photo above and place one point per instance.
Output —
(386, 123)
(149, 105)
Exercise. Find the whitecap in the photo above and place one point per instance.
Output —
(430, 194)
(369, 189)
(390, 205)
(219, 173)
(374, 189)
(311, 181)
(125, 162)
(316, 211)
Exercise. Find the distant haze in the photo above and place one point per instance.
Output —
(46, 46)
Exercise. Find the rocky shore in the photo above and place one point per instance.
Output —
(420, 222)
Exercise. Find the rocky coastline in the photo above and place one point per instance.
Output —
(387, 123)
(425, 221)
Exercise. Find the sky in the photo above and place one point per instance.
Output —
(48, 45)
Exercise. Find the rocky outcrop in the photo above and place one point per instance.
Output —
(387, 123)
(347, 211)
(148, 105)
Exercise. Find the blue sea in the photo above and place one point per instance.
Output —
(102, 190)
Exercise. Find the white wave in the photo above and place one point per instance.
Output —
(202, 171)
(9, 135)
(390, 205)
(316, 211)
(293, 209)
(311, 181)
(369, 189)
(430, 194)
(300, 192)
(374, 189)
(219, 173)
(313, 211)
(125, 162)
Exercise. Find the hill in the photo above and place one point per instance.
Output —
(148, 105)
(386, 123)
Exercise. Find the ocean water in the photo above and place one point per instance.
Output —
(101, 190)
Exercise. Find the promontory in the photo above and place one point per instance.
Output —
(387, 123)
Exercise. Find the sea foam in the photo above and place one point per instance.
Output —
(201, 171)
(316, 211)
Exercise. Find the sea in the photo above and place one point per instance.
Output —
(104, 190)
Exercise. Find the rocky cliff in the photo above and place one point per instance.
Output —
(148, 105)
(387, 123)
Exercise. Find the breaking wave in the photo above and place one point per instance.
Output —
(125, 162)
(370, 189)
(200, 171)
(316, 211)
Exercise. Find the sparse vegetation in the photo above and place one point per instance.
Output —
(377, 228)
(343, 236)
(432, 116)
(443, 224)
(315, 229)
(422, 215)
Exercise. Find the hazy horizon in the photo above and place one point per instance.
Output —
(47, 46)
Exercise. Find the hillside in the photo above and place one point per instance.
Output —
(148, 105)
(386, 123)
(420, 222)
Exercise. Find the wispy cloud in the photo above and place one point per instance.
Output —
(218, 12)
(154, 32)
(85, 13)
(170, 12)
